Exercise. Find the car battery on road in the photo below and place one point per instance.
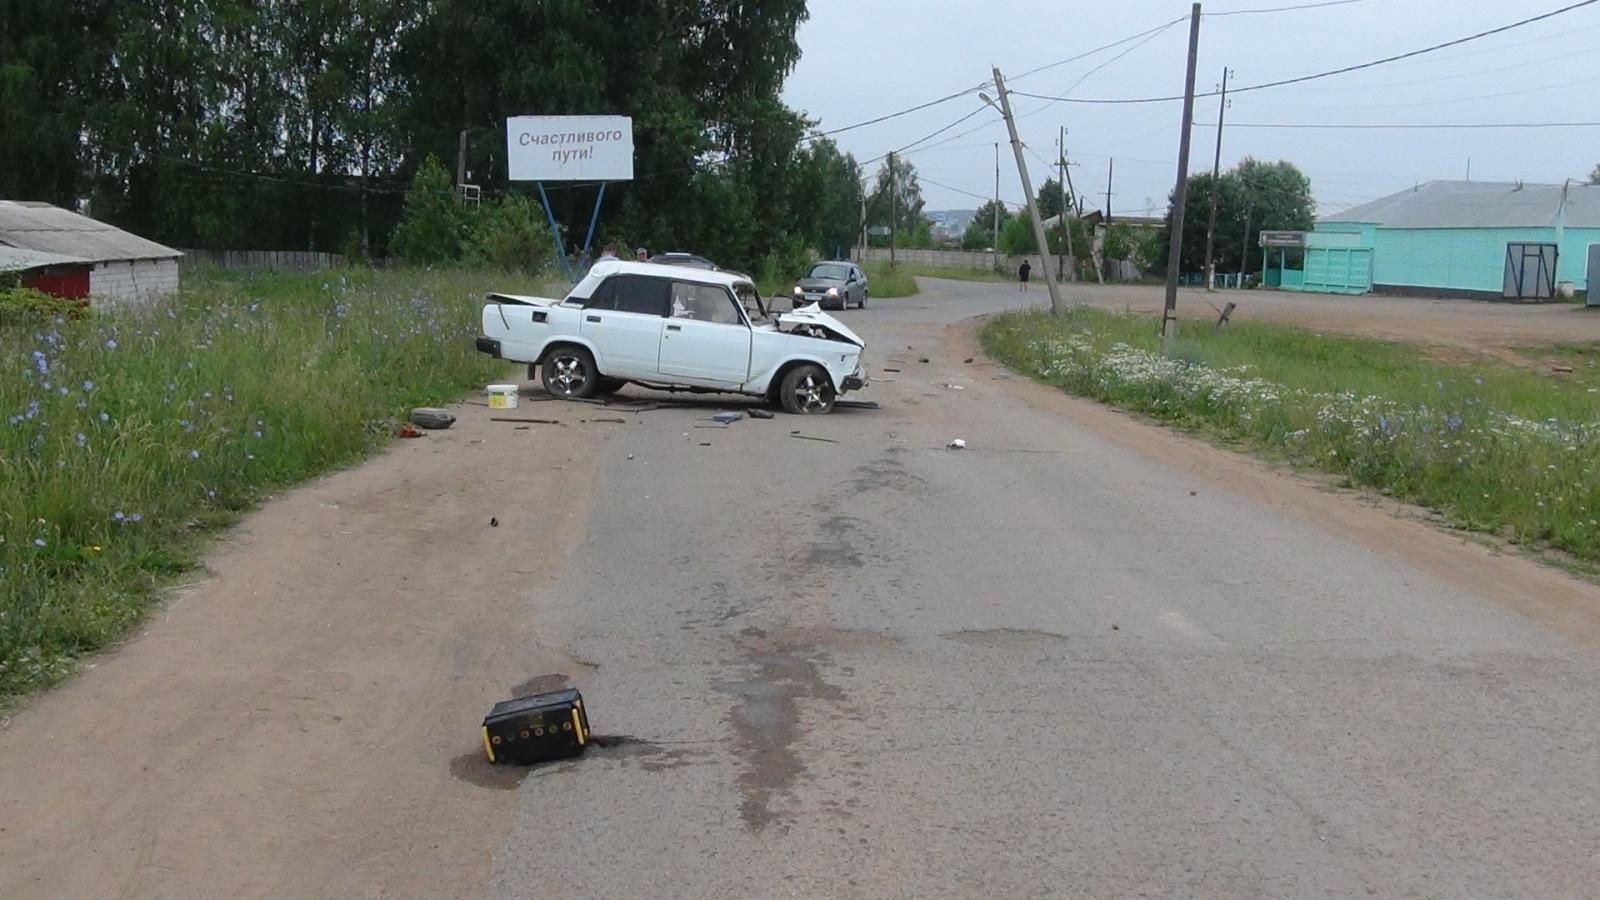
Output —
(536, 728)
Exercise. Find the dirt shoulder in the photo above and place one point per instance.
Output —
(300, 720)
(1564, 601)
(1479, 326)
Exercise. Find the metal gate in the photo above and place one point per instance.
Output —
(1530, 271)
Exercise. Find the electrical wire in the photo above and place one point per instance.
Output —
(1418, 125)
(1279, 9)
(1329, 73)
(897, 114)
(1088, 53)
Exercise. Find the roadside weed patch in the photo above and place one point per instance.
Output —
(1493, 449)
(887, 283)
(128, 434)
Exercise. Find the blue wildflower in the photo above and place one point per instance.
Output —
(1452, 421)
(257, 435)
(111, 343)
(88, 385)
(38, 542)
(82, 439)
(32, 410)
(194, 454)
(41, 363)
(105, 417)
(117, 516)
(62, 390)
(135, 517)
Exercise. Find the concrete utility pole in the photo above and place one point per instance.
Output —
(1244, 254)
(894, 210)
(861, 256)
(1180, 197)
(1056, 306)
(994, 248)
(1216, 178)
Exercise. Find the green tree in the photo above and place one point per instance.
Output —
(905, 202)
(1594, 174)
(1050, 198)
(980, 233)
(433, 227)
(1267, 196)
(509, 234)
(1016, 235)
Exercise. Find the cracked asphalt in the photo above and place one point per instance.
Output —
(1049, 665)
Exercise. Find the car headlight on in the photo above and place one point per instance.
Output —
(833, 292)
(797, 289)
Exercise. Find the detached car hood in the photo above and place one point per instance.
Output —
(810, 317)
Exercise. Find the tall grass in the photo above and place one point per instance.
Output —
(887, 282)
(1493, 448)
(132, 433)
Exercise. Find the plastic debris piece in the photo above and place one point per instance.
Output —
(759, 413)
(957, 444)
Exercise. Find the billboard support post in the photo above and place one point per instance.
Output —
(555, 232)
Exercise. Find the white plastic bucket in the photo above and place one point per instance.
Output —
(502, 396)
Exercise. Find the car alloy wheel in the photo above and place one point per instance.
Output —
(570, 375)
(570, 372)
(807, 390)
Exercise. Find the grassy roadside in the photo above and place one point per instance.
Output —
(131, 435)
(957, 274)
(1493, 448)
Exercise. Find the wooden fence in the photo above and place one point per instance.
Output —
(273, 260)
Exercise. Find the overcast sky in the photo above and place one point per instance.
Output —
(864, 58)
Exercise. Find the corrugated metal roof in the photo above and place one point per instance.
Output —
(1479, 204)
(50, 229)
(14, 259)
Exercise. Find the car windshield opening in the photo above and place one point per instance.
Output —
(837, 273)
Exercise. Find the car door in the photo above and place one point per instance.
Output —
(623, 318)
(706, 340)
(858, 285)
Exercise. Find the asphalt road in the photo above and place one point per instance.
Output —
(1047, 665)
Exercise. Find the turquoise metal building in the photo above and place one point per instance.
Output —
(1466, 238)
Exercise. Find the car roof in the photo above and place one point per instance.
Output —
(607, 268)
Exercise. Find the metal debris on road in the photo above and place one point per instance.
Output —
(887, 369)
(807, 437)
(759, 413)
(968, 359)
(494, 522)
(727, 417)
(922, 359)
(525, 420)
(856, 404)
(613, 421)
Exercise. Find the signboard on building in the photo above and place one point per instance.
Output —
(1283, 238)
(878, 231)
(569, 148)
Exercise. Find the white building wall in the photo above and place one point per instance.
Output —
(138, 280)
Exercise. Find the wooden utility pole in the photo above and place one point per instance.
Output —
(1061, 186)
(1066, 169)
(461, 162)
(1111, 167)
(1180, 194)
(995, 247)
(894, 210)
(1216, 179)
(1056, 305)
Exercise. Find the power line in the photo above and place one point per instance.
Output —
(1279, 9)
(897, 114)
(1088, 53)
(1420, 125)
(1331, 72)
(1416, 103)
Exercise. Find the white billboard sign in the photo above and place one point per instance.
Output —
(569, 148)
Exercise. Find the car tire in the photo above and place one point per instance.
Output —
(569, 373)
(863, 299)
(609, 386)
(806, 390)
